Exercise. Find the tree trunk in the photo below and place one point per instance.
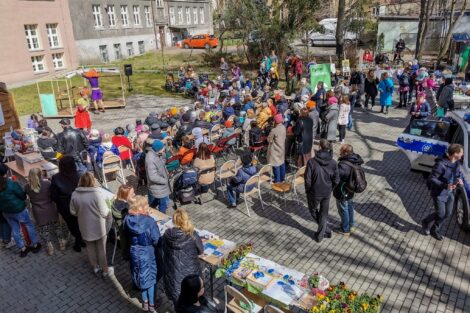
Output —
(221, 41)
(452, 21)
(429, 10)
(340, 30)
(421, 22)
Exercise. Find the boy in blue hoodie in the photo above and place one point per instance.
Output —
(237, 183)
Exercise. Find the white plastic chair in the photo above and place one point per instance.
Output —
(253, 185)
(123, 149)
(272, 309)
(214, 133)
(226, 171)
(239, 303)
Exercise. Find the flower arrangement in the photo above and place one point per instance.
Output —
(340, 299)
(233, 259)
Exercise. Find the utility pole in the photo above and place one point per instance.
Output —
(155, 34)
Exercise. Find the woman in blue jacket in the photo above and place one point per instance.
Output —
(386, 92)
(143, 235)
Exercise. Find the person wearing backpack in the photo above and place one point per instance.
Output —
(351, 179)
(157, 177)
(321, 176)
(386, 92)
(404, 81)
(443, 181)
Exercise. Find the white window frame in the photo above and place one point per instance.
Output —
(130, 49)
(136, 14)
(111, 16)
(159, 3)
(32, 38)
(201, 15)
(148, 16)
(115, 47)
(195, 17)
(58, 61)
(141, 45)
(125, 15)
(180, 16)
(53, 35)
(97, 15)
(188, 15)
(37, 61)
(172, 16)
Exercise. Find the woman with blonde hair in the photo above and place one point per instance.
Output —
(94, 221)
(181, 247)
(44, 210)
(143, 235)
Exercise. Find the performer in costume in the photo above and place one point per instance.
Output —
(96, 94)
(82, 118)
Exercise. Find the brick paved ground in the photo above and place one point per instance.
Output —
(386, 255)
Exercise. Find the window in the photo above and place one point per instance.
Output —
(136, 15)
(180, 15)
(188, 16)
(52, 35)
(111, 16)
(58, 60)
(38, 64)
(130, 49)
(201, 15)
(104, 54)
(160, 3)
(148, 17)
(172, 16)
(124, 16)
(195, 16)
(32, 38)
(141, 47)
(117, 51)
(97, 16)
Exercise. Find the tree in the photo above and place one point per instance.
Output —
(453, 19)
(340, 30)
(427, 7)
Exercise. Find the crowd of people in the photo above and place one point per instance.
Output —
(282, 127)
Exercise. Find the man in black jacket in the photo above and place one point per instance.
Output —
(443, 181)
(344, 197)
(321, 176)
(72, 142)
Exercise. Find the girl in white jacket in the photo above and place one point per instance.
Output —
(343, 116)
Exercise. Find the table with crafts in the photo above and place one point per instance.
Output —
(215, 249)
(23, 163)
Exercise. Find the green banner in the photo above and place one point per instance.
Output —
(320, 73)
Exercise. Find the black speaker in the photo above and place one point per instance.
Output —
(128, 69)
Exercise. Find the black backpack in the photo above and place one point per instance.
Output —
(357, 182)
(404, 81)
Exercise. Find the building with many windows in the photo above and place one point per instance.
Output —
(107, 30)
(36, 40)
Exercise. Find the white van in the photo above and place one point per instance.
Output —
(425, 140)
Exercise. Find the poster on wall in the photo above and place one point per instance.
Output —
(2, 117)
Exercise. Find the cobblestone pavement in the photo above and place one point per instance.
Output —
(386, 254)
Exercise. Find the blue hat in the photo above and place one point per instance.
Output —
(157, 145)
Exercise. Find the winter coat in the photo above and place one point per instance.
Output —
(443, 173)
(332, 120)
(386, 95)
(72, 142)
(263, 117)
(299, 68)
(370, 87)
(184, 129)
(143, 235)
(94, 215)
(100, 153)
(315, 117)
(228, 131)
(243, 175)
(62, 188)
(157, 175)
(277, 145)
(202, 124)
(118, 141)
(208, 178)
(44, 210)
(319, 97)
(345, 171)
(343, 116)
(12, 198)
(93, 146)
(303, 132)
(45, 143)
(424, 110)
(446, 96)
(180, 258)
(321, 175)
(119, 209)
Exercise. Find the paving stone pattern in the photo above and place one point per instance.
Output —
(386, 254)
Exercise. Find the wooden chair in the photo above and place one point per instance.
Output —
(226, 171)
(112, 164)
(272, 309)
(124, 149)
(239, 303)
(251, 188)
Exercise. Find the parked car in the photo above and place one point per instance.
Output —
(200, 41)
(425, 140)
(328, 36)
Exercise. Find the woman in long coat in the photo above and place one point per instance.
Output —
(386, 92)
(332, 118)
(370, 88)
(304, 137)
(143, 234)
(277, 149)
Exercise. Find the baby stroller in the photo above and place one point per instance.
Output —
(185, 186)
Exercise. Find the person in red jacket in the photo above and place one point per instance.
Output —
(120, 140)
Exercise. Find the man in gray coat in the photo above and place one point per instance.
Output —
(157, 177)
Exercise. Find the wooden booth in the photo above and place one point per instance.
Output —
(8, 115)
